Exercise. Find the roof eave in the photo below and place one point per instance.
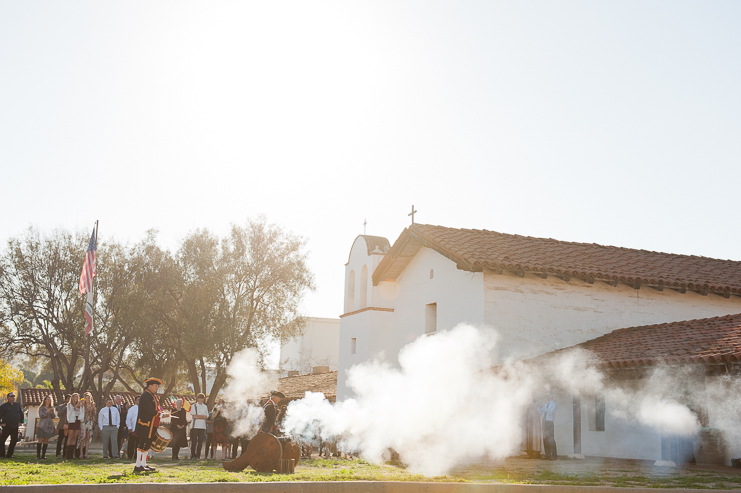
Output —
(390, 259)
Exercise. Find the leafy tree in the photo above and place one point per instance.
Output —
(10, 377)
(38, 295)
(172, 316)
(238, 292)
(157, 281)
(264, 276)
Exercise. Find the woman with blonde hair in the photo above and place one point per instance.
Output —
(75, 417)
(45, 428)
(86, 429)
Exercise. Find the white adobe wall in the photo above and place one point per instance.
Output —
(372, 329)
(536, 315)
(318, 345)
(359, 258)
(369, 342)
(621, 439)
(33, 413)
(459, 296)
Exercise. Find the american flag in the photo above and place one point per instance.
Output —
(86, 281)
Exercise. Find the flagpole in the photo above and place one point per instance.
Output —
(87, 378)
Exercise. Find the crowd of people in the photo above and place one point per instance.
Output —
(207, 430)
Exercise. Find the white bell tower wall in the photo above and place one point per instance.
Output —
(367, 324)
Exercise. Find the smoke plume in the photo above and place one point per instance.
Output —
(443, 406)
(247, 382)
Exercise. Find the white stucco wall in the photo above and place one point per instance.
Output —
(459, 296)
(32, 412)
(536, 316)
(621, 438)
(358, 258)
(371, 330)
(317, 346)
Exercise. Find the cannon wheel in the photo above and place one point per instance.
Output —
(263, 453)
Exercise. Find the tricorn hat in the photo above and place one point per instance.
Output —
(152, 380)
(275, 393)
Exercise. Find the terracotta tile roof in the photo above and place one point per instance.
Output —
(705, 340)
(373, 244)
(476, 250)
(296, 387)
(292, 387)
(34, 397)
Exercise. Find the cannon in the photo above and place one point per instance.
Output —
(265, 452)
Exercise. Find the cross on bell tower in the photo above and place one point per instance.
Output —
(365, 222)
(412, 214)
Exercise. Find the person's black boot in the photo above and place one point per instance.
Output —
(38, 451)
(43, 450)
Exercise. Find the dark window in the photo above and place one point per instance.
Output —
(599, 413)
(431, 318)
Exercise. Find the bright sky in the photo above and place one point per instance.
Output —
(609, 122)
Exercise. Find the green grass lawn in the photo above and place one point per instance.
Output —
(22, 470)
(25, 469)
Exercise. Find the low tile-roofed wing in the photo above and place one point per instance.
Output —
(705, 340)
(34, 397)
(296, 387)
(476, 250)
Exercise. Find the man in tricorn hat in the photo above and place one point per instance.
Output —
(271, 411)
(146, 423)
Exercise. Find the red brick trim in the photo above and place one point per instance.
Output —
(374, 308)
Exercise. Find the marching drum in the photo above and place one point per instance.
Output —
(162, 440)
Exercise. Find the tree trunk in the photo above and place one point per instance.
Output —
(126, 384)
(219, 382)
(193, 373)
(170, 385)
(204, 386)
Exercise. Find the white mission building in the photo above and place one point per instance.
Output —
(540, 294)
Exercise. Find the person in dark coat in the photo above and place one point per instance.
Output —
(11, 417)
(147, 422)
(271, 412)
(61, 431)
(123, 431)
(178, 423)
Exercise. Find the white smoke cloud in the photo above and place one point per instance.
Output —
(438, 409)
(246, 384)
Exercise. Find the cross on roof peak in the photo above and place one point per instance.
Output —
(412, 214)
